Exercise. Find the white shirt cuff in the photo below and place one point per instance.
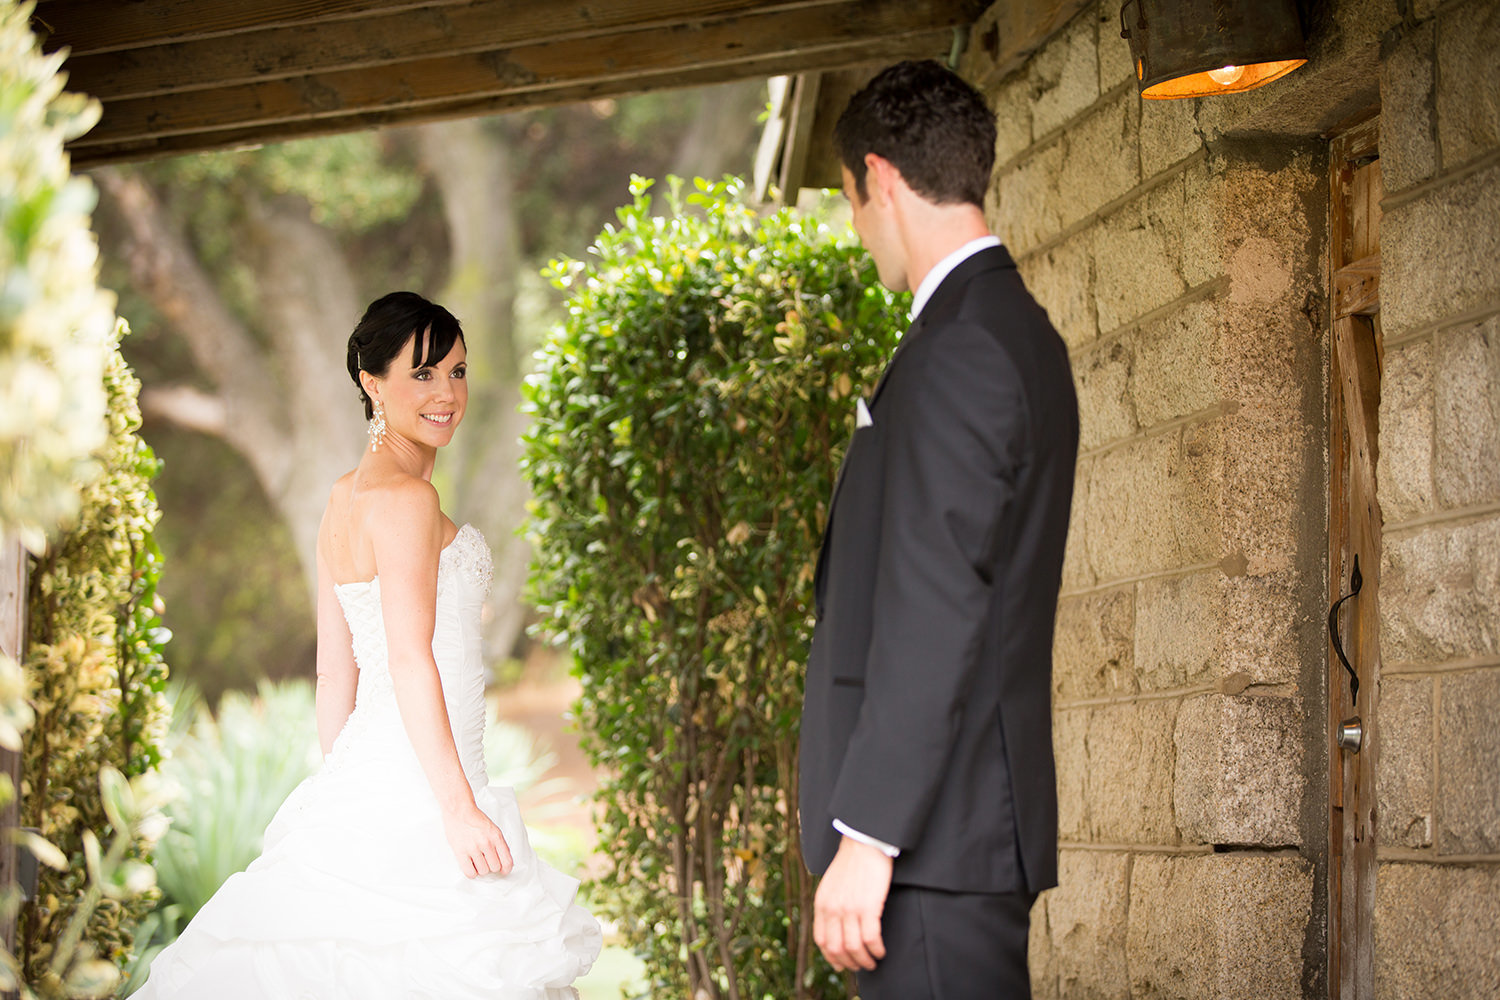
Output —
(864, 838)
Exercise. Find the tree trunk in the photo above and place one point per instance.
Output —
(292, 414)
(309, 306)
(469, 160)
(720, 134)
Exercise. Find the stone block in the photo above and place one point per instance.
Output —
(1155, 502)
(1064, 76)
(1440, 593)
(1115, 65)
(1085, 925)
(1440, 253)
(1012, 105)
(1263, 259)
(1198, 500)
(1092, 654)
(1435, 931)
(1238, 775)
(1408, 139)
(1202, 250)
(1128, 783)
(1061, 279)
(1177, 630)
(1027, 208)
(1078, 573)
(1262, 618)
(1404, 466)
(1466, 385)
(1403, 781)
(1226, 926)
(1468, 746)
(1468, 97)
(1070, 751)
(1102, 376)
(1269, 351)
(1265, 452)
(1100, 162)
(1041, 957)
(1169, 133)
(1177, 359)
(1136, 251)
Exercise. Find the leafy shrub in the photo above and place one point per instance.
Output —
(95, 674)
(688, 420)
(55, 322)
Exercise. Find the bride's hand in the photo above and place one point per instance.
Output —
(477, 843)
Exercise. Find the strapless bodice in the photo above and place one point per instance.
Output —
(464, 573)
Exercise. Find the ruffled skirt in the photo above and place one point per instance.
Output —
(358, 896)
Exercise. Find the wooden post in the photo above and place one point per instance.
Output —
(13, 567)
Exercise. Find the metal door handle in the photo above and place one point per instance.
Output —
(1355, 582)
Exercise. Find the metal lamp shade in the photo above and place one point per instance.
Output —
(1198, 48)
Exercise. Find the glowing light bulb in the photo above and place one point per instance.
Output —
(1226, 76)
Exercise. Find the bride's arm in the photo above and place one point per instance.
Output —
(337, 674)
(408, 543)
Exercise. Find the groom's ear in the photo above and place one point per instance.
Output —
(881, 178)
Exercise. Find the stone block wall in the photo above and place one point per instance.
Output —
(1184, 272)
(1437, 896)
(1181, 248)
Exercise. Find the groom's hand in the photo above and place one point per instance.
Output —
(847, 908)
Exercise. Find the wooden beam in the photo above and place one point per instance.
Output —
(381, 40)
(89, 150)
(1356, 288)
(1006, 35)
(14, 563)
(834, 33)
(799, 133)
(87, 26)
(773, 136)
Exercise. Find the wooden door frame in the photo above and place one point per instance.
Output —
(1354, 378)
(14, 563)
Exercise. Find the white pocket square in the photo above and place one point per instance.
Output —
(862, 414)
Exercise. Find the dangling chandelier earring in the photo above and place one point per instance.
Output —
(377, 427)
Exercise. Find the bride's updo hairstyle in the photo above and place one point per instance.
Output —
(387, 325)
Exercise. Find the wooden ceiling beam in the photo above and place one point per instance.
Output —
(828, 32)
(89, 151)
(89, 26)
(402, 35)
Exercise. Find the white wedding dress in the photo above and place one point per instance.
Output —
(357, 895)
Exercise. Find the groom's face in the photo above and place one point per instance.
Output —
(873, 222)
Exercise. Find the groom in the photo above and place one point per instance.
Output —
(928, 798)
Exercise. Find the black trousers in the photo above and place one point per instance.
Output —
(951, 946)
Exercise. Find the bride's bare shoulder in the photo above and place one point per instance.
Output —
(399, 496)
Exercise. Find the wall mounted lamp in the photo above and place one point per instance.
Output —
(1198, 48)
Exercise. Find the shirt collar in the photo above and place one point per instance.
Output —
(945, 267)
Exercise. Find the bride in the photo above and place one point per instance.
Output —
(397, 870)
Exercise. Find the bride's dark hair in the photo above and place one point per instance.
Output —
(386, 326)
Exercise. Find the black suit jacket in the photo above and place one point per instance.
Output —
(927, 715)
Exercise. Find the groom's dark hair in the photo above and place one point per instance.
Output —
(929, 124)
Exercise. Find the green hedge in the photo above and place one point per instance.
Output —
(95, 679)
(688, 421)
